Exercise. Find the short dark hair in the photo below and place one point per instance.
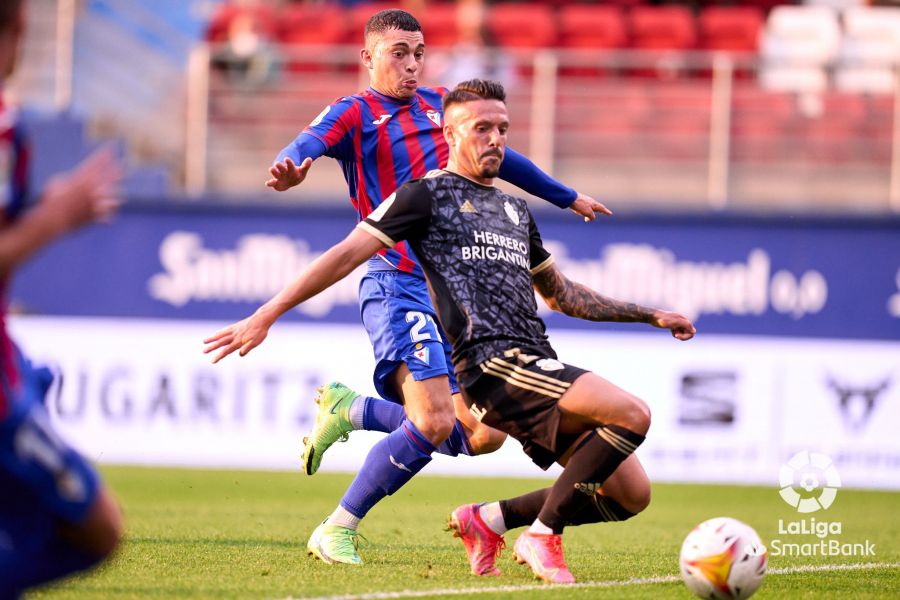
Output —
(474, 89)
(391, 18)
(9, 12)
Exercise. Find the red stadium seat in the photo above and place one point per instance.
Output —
(306, 24)
(733, 28)
(440, 24)
(592, 26)
(357, 18)
(663, 28)
(263, 19)
(522, 25)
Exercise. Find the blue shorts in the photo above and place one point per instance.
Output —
(403, 328)
(44, 481)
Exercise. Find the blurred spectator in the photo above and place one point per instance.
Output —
(243, 37)
(474, 55)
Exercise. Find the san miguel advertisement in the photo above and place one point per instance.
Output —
(798, 345)
(760, 276)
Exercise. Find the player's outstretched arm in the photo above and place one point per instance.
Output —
(576, 300)
(322, 273)
(588, 208)
(86, 194)
(520, 171)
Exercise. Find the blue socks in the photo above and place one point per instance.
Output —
(386, 416)
(389, 465)
(381, 415)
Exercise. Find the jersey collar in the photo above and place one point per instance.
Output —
(391, 99)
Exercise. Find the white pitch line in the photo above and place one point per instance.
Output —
(586, 584)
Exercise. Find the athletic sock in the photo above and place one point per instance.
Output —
(492, 515)
(595, 459)
(389, 465)
(601, 509)
(457, 443)
(341, 516)
(540, 528)
(524, 509)
(376, 414)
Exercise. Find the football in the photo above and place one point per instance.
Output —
(723, 558)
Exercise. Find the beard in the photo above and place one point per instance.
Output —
(491, 169)
(490, 172)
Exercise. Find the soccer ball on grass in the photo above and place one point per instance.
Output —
(723, 558)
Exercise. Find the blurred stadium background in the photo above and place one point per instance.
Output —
(750, 150)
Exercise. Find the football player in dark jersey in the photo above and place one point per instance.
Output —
(482, 254)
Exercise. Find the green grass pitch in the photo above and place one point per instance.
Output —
(237, 534)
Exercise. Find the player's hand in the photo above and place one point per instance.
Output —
(86, 194)
(286, 175)
(680, 326)
(243, 336)
(588, 208)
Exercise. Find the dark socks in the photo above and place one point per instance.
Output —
(592, 462)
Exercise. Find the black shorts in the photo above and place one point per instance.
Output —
(518, 393)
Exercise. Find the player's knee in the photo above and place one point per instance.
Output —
(636, 416)
(435, 425)
(484, 439)
(637, 498)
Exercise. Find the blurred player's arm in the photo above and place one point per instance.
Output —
(576, 300)
(520, 171)
(88, 193)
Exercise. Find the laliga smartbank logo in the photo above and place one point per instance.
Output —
(815, 476)
(809, 482)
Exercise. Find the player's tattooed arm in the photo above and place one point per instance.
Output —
(576, 300)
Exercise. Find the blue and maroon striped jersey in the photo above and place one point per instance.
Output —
(381, 143)
(13, 194)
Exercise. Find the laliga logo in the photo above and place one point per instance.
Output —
(809, 481)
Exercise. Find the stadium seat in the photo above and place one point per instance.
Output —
(870, 50)
(592, 26)
(440, 24)
(731, 28)
(306, 24)
(797, 45)
(356, 17)
(663, 28)
(522, 25)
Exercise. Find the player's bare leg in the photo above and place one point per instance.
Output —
(428, 403)
(593, 401)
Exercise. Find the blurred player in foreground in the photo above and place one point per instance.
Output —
(483, 256)
(56, 517)
(383, 137)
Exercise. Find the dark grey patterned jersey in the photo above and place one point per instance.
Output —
(479, 248)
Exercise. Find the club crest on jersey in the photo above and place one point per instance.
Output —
(421, 353)
(511, 212)
(467, 207)
(549, 364)
(381, 119)
(435, 117)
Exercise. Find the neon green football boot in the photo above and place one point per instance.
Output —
(334, 544)
(332, 423)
